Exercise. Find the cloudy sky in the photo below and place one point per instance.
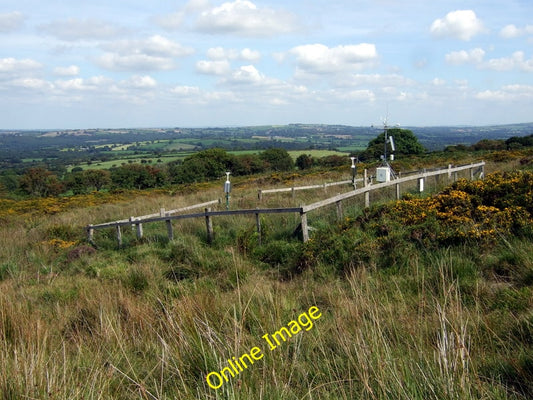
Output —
(118, 63)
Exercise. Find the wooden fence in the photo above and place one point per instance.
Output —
(293, 189)
(168, 217)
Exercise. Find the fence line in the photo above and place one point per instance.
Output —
(261, 192)
(397, 182)
(302, 210)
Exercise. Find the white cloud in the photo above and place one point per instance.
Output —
(193, 95)
(11, 21)
(246, 74)
(186, 90)
(172, 21)
(220, 57)
(358, 95)
(242, 17)
(140, 82)
(10, 65)
(72, 70)
(156, 45)
(74, 29)
(438, 82)
(250, 55)
(474, 56)
(80, 84)
(153, 53)
(134, 62)
(511, 31)
(460, 24)
(31, 83)
(221, 67)
(516, 61)
(220, 53)
(376, 80)
(320, 59)
(507, 93)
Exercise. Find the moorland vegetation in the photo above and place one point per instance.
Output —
(429, 297)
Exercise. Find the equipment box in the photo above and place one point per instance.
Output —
(383, 174)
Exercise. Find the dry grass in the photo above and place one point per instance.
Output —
(149, 321)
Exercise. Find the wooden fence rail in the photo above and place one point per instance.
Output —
(302, 210)
(261, 192)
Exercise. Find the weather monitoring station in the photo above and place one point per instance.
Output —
(385, 173)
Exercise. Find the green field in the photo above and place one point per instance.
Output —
(317, 153)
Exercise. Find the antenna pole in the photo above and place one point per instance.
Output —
(386, 139)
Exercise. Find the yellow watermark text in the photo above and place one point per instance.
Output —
(304, 322)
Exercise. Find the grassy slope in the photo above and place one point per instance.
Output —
(152, 319)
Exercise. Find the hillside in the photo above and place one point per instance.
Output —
(429, 297)
(106, 148)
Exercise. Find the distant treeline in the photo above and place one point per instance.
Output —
(203, 166)
(513, 143)
(210, 164)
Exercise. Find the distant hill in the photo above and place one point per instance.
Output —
(71, 147)
(438, 137)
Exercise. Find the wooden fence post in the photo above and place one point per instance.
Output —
(258, 226)
(170, 231)
(420, 185)
(305, 227)
(482, 175)
(209, 225)
(449, 171)
(367, 199)
(137, 226)
(259, 194)
(365, 178)
(471, 174)
(119, 236)
(397, 191)
(293, 192)
(90, 234)
(339, 210)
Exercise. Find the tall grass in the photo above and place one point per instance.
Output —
(152, 319)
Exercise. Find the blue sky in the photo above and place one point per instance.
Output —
(116, 63)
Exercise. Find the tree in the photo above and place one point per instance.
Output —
(40, 182)
(304, 161)
(405, 141)
(519, 141)
(333, 160)
(76, 182)
(247, 164)
(488, 144)
(278, 159)
(204, 165)
(97, 178)
(138, 176)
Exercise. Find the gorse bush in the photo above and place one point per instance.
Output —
(484, 209)
(480, 213)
